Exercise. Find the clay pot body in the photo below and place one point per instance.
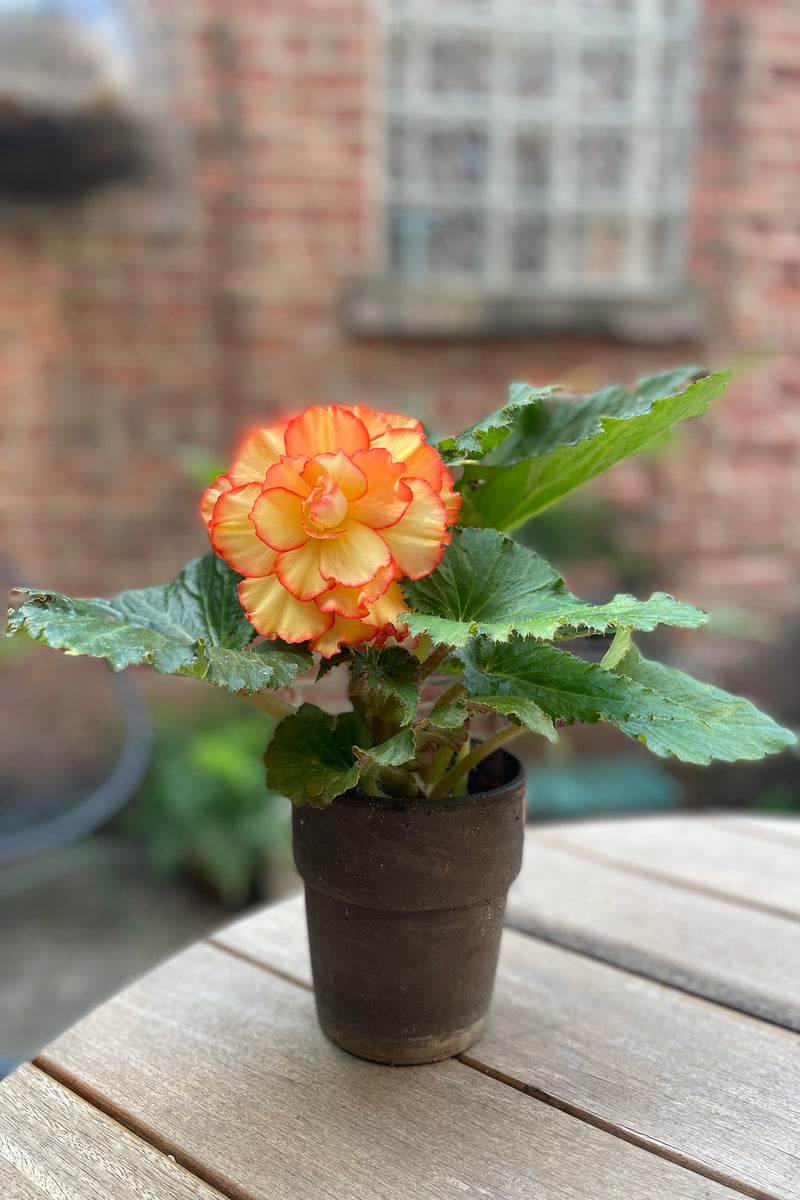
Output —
(405, 902)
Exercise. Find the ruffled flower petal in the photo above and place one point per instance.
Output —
(451, 501)
(287, 473)
(351, 633)
(277, 516)
(260, 452)
(386, 497)
(298, 571)
(233, 534)
(420, 460)
(276, 613)
(326, 431)
(353, 602)
(354, 557)
(344, 601)
(341, 469)
(417, 540)
(377, 586)
(378, 422)
(223, 483)
(384, 611)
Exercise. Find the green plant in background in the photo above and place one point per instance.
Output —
(202, 810)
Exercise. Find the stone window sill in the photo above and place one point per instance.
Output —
(377, 308)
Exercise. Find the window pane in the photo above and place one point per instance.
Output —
(530, 246)
(457, 158)
(408, 242)
(532, 163)
(607, 74)
(664, 242)
(602, 163)
(598, 247)
(458, 66)
(423, 242)
(458, 243)
(533, 71)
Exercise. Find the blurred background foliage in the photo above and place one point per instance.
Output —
(204, 810)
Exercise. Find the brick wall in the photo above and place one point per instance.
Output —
(140, 322)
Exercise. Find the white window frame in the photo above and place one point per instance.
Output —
(567, 24)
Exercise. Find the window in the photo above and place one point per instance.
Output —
(537, 147)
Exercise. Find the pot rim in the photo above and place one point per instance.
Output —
(398, 803)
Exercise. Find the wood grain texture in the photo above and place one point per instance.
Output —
(714, 948)
(275, 937)
(720, 859)
(225, 1060)
(54, 1146)
(679, 1072)
(705, 1082)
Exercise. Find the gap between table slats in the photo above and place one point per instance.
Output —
(708, 946)
(643, 1143)
(96, 1100)
(54, 1143)
(711, 858)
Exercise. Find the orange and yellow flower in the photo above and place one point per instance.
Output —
(323, 515)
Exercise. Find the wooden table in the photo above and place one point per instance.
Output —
(642, 1043)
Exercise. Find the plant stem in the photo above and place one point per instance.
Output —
(451, 694)
(439, 765)
(452, 778)
(461, 786)
(269, 704)
(434, 660)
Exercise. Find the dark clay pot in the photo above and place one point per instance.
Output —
(405, 902)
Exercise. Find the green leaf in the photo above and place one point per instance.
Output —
(562, 420)
(448, 716)
(194, 626)
(385, 683)
(445, 724)
(345, 655)
(713, 723)
(667, 710)
(311, 757)
(503, 495)
(487, 583)
(477, 441)
(566, 688)
(394, 752)
(267, 665)
(519, 710)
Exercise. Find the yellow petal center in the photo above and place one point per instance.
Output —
(325, 508)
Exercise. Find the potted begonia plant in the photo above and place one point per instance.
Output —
(341, 536)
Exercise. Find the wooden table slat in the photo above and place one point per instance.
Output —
(275, 938)
(700, 1080)
(593, 1079)
(723, 951)
(692, 851)
(54, 1146)
(246, 1081)
(784, 828)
